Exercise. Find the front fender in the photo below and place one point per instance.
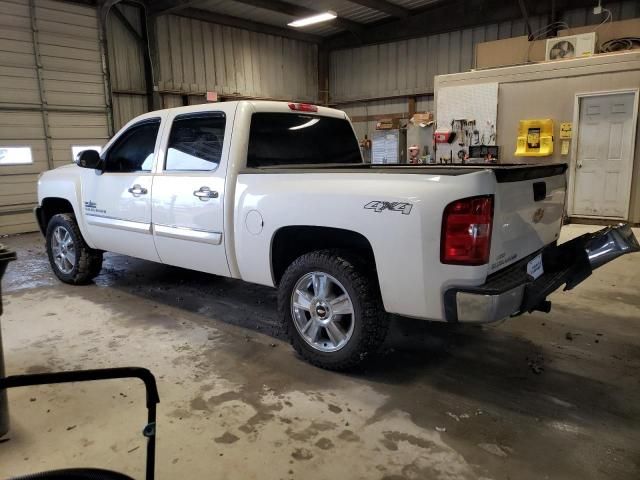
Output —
(65, 183)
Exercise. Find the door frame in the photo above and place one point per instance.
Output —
(574, 147)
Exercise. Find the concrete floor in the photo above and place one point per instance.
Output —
(541, 396)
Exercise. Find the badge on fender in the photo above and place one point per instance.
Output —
(378, 206)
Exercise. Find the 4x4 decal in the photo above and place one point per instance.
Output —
(378, 206)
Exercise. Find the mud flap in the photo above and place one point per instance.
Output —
(572, 262)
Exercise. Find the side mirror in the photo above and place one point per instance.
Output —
(88, 159)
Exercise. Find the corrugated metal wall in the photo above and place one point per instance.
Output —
(197, 56)
(382, 107)
(409, 67)
(52, 95)
(126, 65)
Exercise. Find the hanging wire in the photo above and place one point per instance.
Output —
(608, 18)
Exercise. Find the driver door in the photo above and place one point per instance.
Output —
(117, 201)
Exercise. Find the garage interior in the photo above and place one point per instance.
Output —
(539, 396)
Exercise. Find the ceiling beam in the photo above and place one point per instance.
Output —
(296, 11)
(230, 21)
(385, 7)
(127, 24)
(447, 17)
(165, 7)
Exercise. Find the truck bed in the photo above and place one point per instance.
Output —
(504, 172)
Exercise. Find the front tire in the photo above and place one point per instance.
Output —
(332, 308)
(71, 259)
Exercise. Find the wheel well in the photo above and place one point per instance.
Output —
(290, 243)
(50, 207)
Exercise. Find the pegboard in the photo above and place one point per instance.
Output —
(477, 102)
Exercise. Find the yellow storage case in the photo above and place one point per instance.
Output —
(535, 138)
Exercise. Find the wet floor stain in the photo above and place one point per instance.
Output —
(227, 437)
(302, 454)
(324, 443)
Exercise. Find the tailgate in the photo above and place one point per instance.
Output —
(528, 210)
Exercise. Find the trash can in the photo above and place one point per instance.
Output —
(5, 257)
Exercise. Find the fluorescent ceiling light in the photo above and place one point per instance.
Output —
(305, 125)
(321, 17)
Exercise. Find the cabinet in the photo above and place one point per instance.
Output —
(389, 146)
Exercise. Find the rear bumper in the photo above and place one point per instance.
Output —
(512, 291)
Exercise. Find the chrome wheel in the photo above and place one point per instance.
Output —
(322, 311)
(64, 250)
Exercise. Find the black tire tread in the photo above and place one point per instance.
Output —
(90, 260)
(365, 284)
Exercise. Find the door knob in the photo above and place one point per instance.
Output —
(205, 193)
(137, 190)
(579, 164)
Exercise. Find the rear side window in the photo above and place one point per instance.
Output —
(292, 139)
(195, 142)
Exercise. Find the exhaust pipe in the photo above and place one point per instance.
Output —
(610, 243)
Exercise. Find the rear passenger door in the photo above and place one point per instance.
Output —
(189, 192)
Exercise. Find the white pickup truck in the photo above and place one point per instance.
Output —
(277, 194)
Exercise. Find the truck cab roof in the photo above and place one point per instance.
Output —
(257, 105)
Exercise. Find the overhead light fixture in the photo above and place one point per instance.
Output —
(320, 17)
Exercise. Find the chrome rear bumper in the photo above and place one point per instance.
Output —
(484, 308)
(512, 292)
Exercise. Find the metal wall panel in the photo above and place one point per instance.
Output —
(170, 100)
(197, 56)
(408, 67)
(125, 53)
(72, 128)
(18, 127)
(126, 65)
(52, 95)
(392, 106)
(126, 107)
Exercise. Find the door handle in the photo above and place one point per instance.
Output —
(579, 164)
(205, 193)
(137, 190)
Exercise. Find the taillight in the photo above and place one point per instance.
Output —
(466, 231)
(303, 107)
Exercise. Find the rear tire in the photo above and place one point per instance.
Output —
(71, 259)
(332, 309)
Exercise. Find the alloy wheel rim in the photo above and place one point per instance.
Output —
(64, 250)
(322, 312)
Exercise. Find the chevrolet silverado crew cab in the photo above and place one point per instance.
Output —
(277, 194)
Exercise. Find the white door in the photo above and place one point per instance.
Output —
(117, 203)
(189, 192)
(604, 156)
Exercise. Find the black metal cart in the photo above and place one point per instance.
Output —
(143, 374)
(149, 430)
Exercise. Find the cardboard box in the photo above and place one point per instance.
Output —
(388, 124)
(426, 118)
(518, 50)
